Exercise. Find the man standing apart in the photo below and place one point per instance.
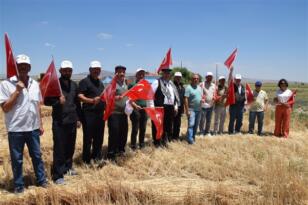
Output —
(66, 111)
(192, 100)
(90, 89)
(117, 121)
(20, 98)
(181, 91)
(257, 108)
(208, 89)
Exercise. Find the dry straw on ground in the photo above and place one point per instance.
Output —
(221, 170)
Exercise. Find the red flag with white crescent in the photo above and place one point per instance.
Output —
(157, 116)
(141, 91)
(249, 93)
(108, 97)
(230, 59)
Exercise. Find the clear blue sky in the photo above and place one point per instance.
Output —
(271, 35)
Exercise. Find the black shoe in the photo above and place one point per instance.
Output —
(44, 184)
(133, 147)
(19, 190)
(141, 145)
(250, 132)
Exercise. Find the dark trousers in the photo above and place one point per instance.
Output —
(168, 126)
(17, 141)
(139, 123)
(252, 119)
(118, 128)
(64, 140)
(236, 114)
(93, 135)
(176, 126)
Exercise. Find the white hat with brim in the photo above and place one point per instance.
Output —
(221, 77)
(238, 77)
(177, 74)
(209, 74)
(95, 64)
(22, 58)
(140, 69)
(66, 64)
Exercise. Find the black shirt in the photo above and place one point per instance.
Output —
(70, 111)
(91, 88)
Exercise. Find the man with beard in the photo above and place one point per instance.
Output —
(117, 121)
(90, 90)
(66, 111)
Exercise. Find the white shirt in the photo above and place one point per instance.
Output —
(24, 115)
(283, 96)
(208, 90)
(167, 101)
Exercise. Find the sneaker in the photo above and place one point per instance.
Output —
(72, 172)
(59, 181)
(19, 190)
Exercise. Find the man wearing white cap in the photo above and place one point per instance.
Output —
(20, 99)
(236, 110)
(66, 112)
(181, 91)
(208, 89)
(220, 109)
(90, 90)
(138, 117)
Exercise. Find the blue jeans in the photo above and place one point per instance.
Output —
(193, 122)
(252, 119)
(205, 120)
(17, 141)
(236, 114)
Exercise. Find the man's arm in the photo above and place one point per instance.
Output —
(8, 105)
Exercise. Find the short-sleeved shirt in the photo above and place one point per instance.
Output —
(283, 96)
(208, 90)
(194, 95)
(91, 88)
(24, 115)
(259, 102)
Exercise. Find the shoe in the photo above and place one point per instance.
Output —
(142, 145)
(250, 132)
(44, 184)
(59, 181)
(133, 147)
(19, 190)
(72, 172)
(209, 135)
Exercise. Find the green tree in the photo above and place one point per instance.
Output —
(186, 74)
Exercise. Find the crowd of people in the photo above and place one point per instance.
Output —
(81, 105)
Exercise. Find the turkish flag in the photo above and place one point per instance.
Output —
(230, 59)
(157, 116)
(291, 100)
(108, 97)
(50, 85)
(249, 93)
(11, 66)
(231, 95)
(167, 62)
(141, 91)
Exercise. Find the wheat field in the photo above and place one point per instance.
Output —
(221, 170)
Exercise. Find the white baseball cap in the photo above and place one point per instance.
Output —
(238, 77)
(95, 64)
(66, 64)
(221, 77)
(22, 58)
(140, 69)
(178, 74)
(209, 74)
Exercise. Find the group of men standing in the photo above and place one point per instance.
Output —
(82, 105)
